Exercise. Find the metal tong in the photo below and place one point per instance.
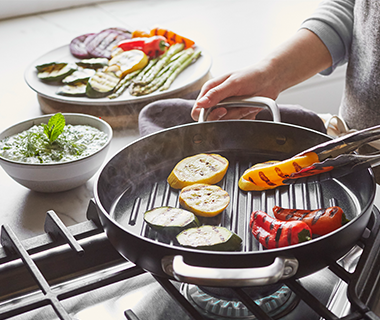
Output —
(337, 154)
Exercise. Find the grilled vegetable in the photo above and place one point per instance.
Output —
(163, 80)
(129, 61)
(273, 233)
(55, 71)
(169, 71)
(321, 221)
(48, 65)
(102, 43)
(210, 238)
(140, 33)
(201, 168)
(152, 46)
(172, 37)
(80, 75)
(101, 84)
(74, 90)
(98, 45)
(93, 63)
(272, 174)
(161, 63)
(178, 67)
(123, 84)
(78, 46)
(170, 220)
(204, 199)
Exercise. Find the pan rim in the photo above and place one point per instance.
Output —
(283, 250)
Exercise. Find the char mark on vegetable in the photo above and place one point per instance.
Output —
(296, 166)
(278, 234)
(317, 215)
(265, 179)
(280, 173)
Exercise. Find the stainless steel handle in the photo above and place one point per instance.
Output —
(245, 102)
(282, 268)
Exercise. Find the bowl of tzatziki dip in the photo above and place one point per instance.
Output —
(56, 152)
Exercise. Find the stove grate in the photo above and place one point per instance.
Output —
(83, 242)
(42, 293)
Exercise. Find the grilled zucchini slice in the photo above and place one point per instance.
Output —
(80, 75)
(210, 238)
(101, 84)
(93, 63)
(200, 168)
(170, 220)
(55, 71)
(74, 90)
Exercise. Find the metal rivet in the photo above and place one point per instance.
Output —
(197, 139)
(281, 140)
(288, 270)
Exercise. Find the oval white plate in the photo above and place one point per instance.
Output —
(189, 76)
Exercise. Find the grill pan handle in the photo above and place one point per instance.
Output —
(282, 268)
(244, 102)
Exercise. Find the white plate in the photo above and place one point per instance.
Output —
(189, 76)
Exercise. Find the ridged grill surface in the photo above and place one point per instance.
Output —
(153, 191)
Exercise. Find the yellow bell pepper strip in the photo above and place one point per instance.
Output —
(272, 174)
(140, 33)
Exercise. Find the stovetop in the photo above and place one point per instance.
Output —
(75, 273)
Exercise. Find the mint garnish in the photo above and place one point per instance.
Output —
(55, 126)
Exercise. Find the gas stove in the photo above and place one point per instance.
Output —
(75, 273)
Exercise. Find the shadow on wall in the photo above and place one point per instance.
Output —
(15, 8)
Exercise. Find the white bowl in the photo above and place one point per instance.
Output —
(56, 177)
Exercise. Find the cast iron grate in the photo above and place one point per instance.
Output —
(81, 248)
(78, 242)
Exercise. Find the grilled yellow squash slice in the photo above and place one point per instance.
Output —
(204, 199)
(201, 168)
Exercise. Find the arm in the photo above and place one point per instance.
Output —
(320, 45)
(296, 60)
(333, 23)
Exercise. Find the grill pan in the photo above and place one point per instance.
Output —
(134, 181)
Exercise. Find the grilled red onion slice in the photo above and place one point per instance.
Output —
(102, 44)
(78, 46)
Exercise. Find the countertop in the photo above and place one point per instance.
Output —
(234, 32)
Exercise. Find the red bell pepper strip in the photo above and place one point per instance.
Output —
(152, 46)
(273, 233)
(321, 221)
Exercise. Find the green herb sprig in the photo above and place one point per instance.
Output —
(54, 127)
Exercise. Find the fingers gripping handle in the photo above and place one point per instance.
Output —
(245, 102)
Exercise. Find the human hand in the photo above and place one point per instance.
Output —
(296, 60)
(236, 84)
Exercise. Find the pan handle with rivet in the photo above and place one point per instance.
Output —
(245, 102)
(282, 268)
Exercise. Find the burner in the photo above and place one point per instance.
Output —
(215, 306)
